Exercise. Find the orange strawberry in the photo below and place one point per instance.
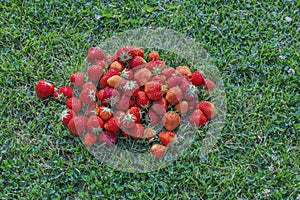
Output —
(209, 84)
(174, 95)
(158, 150)
(142, 76)
(95, 72)
(117, 65)
(94, 124)
(153, 55)
(152, 90)
(77, 79)
(167, 137)
(184, 71)
(171, 120)
(74, 103)
(168, 72)
(182, 107)
(208, 109)
(95, 53)
(137, 61)
(114, 81)
(77, 125)
(110, 72)
(104, 113)
(142, 100)
(89, 139)
(198, 118)
(197, 78)
(107, 137)
(164, 89)
(112, 125)
(149, 133)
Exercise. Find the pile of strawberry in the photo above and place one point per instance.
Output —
(125, 96)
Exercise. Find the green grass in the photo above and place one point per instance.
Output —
(257, 153)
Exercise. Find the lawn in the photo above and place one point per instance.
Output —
(254, 45)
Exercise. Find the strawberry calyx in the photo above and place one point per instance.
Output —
(125, 57)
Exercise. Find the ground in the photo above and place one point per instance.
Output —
(254, 45)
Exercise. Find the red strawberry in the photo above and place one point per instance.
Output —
(160, 107)
(156, 66)
(95, 53)
(110, 72)
(167, 137)
(153, 90)
(153, 118)
(94, 124)
(136, 112)
(101, 63)
(168, 72)
(87, 95)
(208, 109)
(126, 53)
(142, 76)
(63, 92)
(125, 103)
(66, 116)
(191, 92)
(193, 105)
(174, 95)
(127, 74)
(149, 133)
(77, 125)
(74, 103)
(111, 96)
(136, 51)
(100, 97)
(112, 125)
(174, 81)
(182, 107)
(137, 61)
(89, 139)
(44, 89)
(158, 150)
(153, 55)
(89, 85)
(91, 109)
(184, 71)
(77, 79)
(159, 78)
(209, 84)
(107, 137)
(95, 72)
(117, 65)
(129, 87)
(104, 113)
(197, 78)
(137, 132)
(128, 120)
(142, 100)
(198, 118)
(171, 120)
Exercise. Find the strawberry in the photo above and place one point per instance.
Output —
(77, 125)
(153, 55)
(114, 81)
(208, 109)
(94, 124)
(164, 89)
(156, 66)
(137, 61)
(100, 97)
(95, 53)
(74, 103)
(117, 65)
(174, 81)
(197, 78)
(168, 72)
(198, 118)
(88, 96)
(159, 78)
(107, 137)
(112, 125)
(142, 76)
(101, 63)
(136, 112)
(158, 150)
(167, 137)
(77, 79)
(127, 74)
(184, 71)
(160, 107)
(111, 96)
(182, 107)
(125, 103)
(91, 109)
(152, 90)
(89, 139)
(63, 93)
(174, 95)
(209, 84)
(171, 120)
(193, 105)
(44, 89)
(110, 72)
(104, 113)
(129, 87)
(66, 116)
(142, 100)
(128, 120)
(136, 51)
(95, 72)
(137, 132)
(191, 92)
(153, 118)
(149, 133)
(89, 85)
